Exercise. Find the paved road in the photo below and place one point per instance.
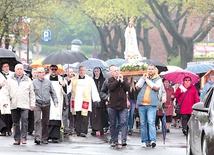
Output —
(175, 145)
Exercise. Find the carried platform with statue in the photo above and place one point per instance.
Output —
(133, 72)
(133, 69)
(134, 65)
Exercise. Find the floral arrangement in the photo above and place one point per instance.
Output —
(133, 66)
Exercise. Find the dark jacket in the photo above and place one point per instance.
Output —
(104, 93)
(99, 82)
(117, 92)
(132, 95)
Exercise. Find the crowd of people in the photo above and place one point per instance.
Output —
(43, 103)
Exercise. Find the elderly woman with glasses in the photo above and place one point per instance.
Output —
(186, 95)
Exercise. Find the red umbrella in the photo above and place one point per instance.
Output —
(178, 76)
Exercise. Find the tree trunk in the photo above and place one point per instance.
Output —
(7, 38)
(186, 52)
(104, 47)
(114, 42)
(146, 44)
(1, 37)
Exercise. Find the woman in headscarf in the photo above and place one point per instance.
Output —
(98, 114)
(187, 96)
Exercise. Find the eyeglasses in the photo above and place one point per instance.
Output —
(54, 69)
(41, 72)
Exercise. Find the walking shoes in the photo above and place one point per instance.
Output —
(16, 143)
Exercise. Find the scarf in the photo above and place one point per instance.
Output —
(146, 98)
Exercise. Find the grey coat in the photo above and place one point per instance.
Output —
(44, 91)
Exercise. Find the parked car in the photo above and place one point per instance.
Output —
(200, 137)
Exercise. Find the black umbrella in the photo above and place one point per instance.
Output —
(10, 57)
(64, 57)
(161, 67)
(79, 55)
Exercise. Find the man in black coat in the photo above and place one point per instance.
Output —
(118, 86)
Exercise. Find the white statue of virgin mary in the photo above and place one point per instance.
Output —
(131, 53)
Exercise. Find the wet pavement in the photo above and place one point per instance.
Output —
(91, 145)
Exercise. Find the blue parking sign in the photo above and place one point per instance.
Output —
(46, 35)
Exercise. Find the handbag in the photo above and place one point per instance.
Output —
(177, 109)
(178, 106)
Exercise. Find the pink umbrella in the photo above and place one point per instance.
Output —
(178, 76)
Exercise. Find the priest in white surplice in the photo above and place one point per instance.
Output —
(84, 91)
(55, 112)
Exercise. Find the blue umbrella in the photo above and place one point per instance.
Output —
(90, 64)
(164, 125)
(70, 66)
(199, 68)
(118, 62)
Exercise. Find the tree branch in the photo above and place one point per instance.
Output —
(200, 29)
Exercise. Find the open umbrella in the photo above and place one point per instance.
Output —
(70, 66)
(38, 63)
(10, 57)
(80, 56)
(178, 76)
(170, 69)
(92, 63)
(118, 62)
(160, 66)
(64, 57)
(199, 68)
(173, 68)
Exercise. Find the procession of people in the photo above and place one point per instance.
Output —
(48, 104)
(79, 103)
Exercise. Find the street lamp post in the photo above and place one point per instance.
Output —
(76, 45)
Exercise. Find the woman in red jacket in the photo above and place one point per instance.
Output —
(186, 95)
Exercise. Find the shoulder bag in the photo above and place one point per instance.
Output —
(178, 106)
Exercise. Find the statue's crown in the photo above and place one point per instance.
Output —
(131, 20)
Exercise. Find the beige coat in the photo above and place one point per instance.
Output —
(19, 95)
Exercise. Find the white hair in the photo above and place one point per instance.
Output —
(19, 66)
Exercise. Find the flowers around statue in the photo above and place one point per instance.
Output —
(133, 66)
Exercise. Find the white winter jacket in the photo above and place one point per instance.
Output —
(20, 95)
